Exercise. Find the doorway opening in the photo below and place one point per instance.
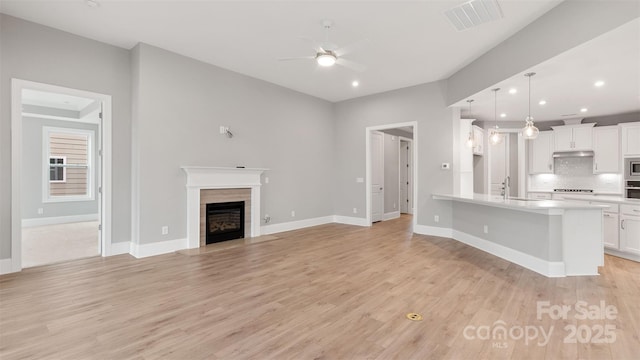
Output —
(506, 159)
(61, 162)
(391, 171)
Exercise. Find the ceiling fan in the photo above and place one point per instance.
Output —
(329, 54)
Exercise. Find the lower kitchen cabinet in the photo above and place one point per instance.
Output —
(630, 229)
(611, 233)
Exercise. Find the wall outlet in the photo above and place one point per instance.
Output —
(445, 166)
(267, 219)
(436, 218)
(165, 230)
(224, 129)
(40, 211)
(266, 179)
(359, 180)
(293, 213)
(486, 229)
(355, 210)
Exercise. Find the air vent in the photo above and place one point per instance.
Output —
(473, 13)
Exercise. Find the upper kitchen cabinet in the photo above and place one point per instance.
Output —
(606, 150)
(540, 153)
(630, 139)
(573, 137)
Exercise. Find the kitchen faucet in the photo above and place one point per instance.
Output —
(506, 185)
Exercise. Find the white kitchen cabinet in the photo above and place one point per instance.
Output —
(611, 233)
(630, 229)
(540, 153)
(573, 137)
(630, 139)
(606, 149)
(478, 140)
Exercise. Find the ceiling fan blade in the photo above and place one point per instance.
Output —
(351, 47)
(351, 65)
(315, 45)
(297, 58)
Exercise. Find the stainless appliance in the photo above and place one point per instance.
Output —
(632, 189)
(632, 169)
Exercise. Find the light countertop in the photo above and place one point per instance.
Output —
(606, 199)
(520, 204)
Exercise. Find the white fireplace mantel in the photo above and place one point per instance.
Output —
(202, 177)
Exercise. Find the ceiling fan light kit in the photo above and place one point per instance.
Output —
(326, 59)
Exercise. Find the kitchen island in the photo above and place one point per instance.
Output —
(553, 238)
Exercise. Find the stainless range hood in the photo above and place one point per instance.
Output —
(565, 154)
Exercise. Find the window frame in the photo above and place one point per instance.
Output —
(91, 176)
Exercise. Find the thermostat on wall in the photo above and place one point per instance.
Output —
(445, 166)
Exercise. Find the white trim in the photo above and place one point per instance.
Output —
(120, 248)
(17, 85)
(157, 248)
(349, 220)
(411, 188)
(622, 254)
(55, 220)
(544, 267)
(295, 225)
(391, 215)
(432, 231)
(416, 164)
(6, 266)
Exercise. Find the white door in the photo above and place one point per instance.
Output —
(405, 178)
(499, 164)
(377, 176)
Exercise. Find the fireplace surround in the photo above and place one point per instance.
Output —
(211, 178)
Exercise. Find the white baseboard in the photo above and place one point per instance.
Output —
(6, 266)
(120, 248)
(348, 220)
(391, 215)
(544, 267)
(622, 254)
(158, 248)
(433, 231)
(295, 225)
(59, 220)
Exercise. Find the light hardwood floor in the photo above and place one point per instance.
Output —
(50, 244)
(327, 292)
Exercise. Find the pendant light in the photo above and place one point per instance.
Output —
(495, 137)
(530, 131)
(470, 140)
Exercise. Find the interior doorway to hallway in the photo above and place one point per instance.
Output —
(391, 171)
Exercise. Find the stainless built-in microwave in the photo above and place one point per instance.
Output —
(632, 169)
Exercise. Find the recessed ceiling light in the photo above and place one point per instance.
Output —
(584, 110)
(503, 115)
(542, 102)
(598, 83)
(513, 91)
(92, 3)
(355, 83)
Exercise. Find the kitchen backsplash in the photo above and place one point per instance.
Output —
(575, 173)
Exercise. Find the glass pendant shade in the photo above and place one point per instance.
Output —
(530, 131)
(496, 137)
(470, 141)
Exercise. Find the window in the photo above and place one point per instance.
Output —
(57, 170)
(68, 165)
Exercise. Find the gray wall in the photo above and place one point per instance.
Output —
(32, 151)
(180, 103)
(391, 173)
(38, 53)
(479, 177)
(569, 24)
(424, 104)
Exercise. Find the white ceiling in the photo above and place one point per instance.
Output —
(566, 82)
(409, 42)
(54, 100)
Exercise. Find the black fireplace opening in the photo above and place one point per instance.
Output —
(225, 221)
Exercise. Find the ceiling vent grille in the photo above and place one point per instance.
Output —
(473, 13)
